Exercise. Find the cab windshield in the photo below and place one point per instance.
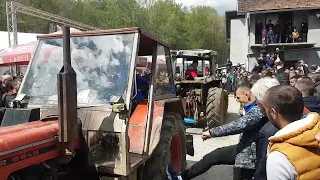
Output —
(100, 62)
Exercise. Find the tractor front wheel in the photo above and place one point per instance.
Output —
(171, 149)
(226, 105)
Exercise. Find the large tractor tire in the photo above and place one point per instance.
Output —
(226, 105)
(215, 107)
(171, 149)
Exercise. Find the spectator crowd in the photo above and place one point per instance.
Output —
(9, 87)
(271, 66)
(280, 33)
(279, 125)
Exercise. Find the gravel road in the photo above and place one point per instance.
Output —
(201, 148)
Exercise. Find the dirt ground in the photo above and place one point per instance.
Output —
(201, 147)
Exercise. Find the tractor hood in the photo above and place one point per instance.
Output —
(102, 132)
(26, 134)
(92, 120)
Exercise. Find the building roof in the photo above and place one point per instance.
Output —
(266, 5)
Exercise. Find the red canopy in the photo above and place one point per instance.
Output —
(20, 54)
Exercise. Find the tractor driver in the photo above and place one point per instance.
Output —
(192, 71)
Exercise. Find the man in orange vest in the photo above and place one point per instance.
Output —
(293, 150)
(318, 137)
(259, 89)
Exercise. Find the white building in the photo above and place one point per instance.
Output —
(241, 30)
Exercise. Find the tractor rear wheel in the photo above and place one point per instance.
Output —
(226, 104)
(215, 107)
(171, 149)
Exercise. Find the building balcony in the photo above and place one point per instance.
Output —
(288, 45)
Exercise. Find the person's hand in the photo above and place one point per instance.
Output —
(206, 135)
(241, 112)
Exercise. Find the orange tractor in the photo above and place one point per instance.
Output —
(84, 111)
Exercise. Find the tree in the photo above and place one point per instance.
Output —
(198, 27)
(166, 20)
(207, 31)
(3, 18)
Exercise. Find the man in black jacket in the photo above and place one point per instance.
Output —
(262, 143)
(5, 87)
(8, 98)
(282, 76)
(268, 130)
(304, 30)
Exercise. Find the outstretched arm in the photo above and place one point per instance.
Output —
(245, 123)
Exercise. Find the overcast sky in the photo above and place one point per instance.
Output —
(220, 5)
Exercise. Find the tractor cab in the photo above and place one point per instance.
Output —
(108, 96)
(184, 60)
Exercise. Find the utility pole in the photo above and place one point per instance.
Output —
(11, 23)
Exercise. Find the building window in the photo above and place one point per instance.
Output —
(284, 27)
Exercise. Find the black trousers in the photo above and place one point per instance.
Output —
(243, 174)
(220, 156)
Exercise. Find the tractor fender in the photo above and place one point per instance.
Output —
(138, 126)
(174, 105)
(138, 123)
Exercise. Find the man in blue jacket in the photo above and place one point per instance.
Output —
(242, 155)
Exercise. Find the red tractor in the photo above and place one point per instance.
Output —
(83, 111)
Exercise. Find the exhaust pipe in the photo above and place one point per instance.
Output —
(67, 97)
